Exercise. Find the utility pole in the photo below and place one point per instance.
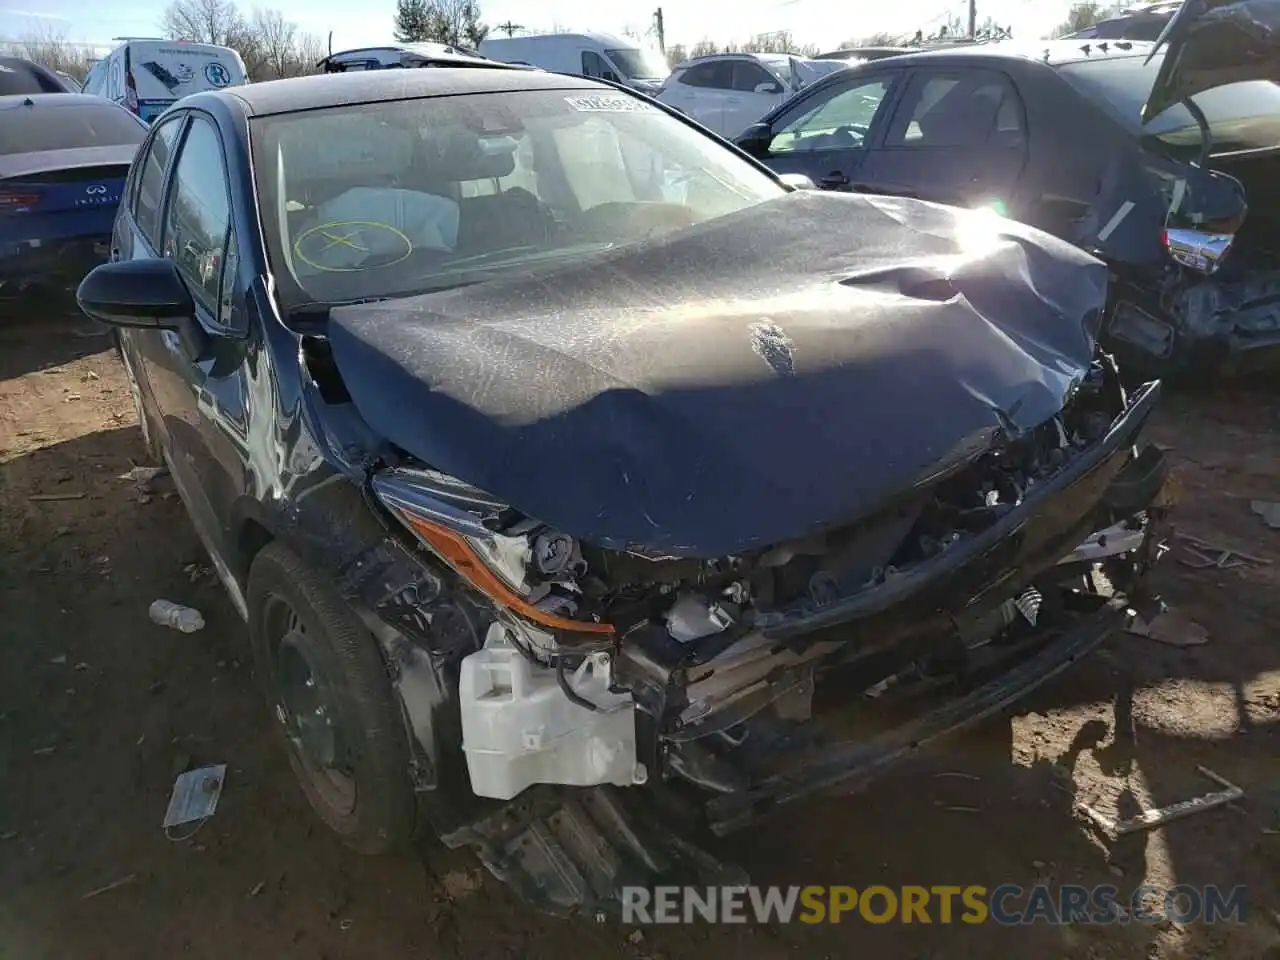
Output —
(973, 19)
(510, 28)
(659, 30)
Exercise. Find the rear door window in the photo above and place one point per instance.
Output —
(966, 108)
(146, 207)
(717, 74)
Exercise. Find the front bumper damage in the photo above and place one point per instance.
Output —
(792, 703)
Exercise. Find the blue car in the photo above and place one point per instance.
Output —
(63, 161)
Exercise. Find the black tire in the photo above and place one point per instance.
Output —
(372, 751)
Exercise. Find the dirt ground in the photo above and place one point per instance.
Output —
(99, 709)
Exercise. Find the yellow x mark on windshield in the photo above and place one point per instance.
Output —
(343, 240)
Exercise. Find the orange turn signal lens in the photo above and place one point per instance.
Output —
(455, 551)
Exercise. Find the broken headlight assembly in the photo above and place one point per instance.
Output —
(527, 570)
(538, 702)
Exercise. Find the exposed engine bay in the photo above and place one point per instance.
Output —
(718, 676)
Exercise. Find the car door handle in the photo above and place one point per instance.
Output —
(833, 179)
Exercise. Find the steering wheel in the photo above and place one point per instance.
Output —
(347, 246)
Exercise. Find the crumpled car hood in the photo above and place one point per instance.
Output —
(740, 383)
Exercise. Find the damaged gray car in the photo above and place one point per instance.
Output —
(577, 479)
(1159, 158)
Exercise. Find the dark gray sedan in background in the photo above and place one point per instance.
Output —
(1160, 158)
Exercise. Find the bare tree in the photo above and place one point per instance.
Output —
(204, 21)
(1084, 13)
(51, 47)
(777, 41)
(676, 54)
(460, 22)
(276, 41)
(454, 22)
(309, 49)
(882, 39)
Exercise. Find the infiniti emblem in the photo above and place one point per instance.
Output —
(96, 188)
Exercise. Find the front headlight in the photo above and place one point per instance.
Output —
(530, 569)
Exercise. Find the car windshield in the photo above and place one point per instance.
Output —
(389, 199)
(1241, 116)
(48, 127)
(639, 64)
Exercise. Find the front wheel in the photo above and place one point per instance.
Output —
(328, 690)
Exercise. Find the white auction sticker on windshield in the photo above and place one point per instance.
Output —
(607, 104)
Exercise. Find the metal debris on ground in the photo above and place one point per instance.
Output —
(1268, 510)
(1203, 555)
(261, 885)
(1161, 815)
(113, 885)
(49, 497)
(194, 798)
(1169, 627)
(195, 572)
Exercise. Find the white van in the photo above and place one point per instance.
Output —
(585, 54)
(147, 74)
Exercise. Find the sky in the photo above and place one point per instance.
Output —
(810, 21)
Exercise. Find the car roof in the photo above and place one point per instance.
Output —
(737, 55)
(19, 76)
(377, 86)
(593, 35)
(1055, 53)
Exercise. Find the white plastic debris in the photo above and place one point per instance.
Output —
(143, 475)
(1268, 510)
(175, 615)
(195, 795)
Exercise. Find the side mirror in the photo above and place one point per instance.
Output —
(797, 181)
(610, 76)
(136, 293)
(755, 139)
(768, 87)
